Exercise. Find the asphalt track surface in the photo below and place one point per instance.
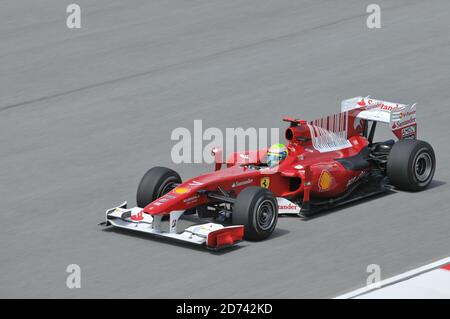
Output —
(84, 113)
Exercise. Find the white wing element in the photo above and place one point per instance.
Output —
(214, 236)
(401, 117)
(377, 110)
(286, 207)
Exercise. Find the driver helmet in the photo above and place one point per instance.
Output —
(276, 154)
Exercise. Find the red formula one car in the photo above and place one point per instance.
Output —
(329, 162)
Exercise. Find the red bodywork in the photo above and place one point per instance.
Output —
(306, 172)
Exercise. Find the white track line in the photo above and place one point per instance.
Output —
(387, 282)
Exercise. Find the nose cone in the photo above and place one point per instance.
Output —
(182, 197)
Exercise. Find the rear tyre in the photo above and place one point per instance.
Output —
(411, 165)
(257, 209)
(155, 183)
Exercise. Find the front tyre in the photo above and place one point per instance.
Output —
(155, 183)
(411, 165)
(257, 209)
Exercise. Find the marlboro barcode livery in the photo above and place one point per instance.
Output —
(325, 163)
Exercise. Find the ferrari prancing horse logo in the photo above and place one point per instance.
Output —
(265, 182)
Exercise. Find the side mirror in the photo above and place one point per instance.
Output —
(217, 154)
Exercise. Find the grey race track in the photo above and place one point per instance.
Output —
(84, 113)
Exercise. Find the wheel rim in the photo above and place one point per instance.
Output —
(423, 167)
(265, 215)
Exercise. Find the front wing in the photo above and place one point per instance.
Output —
(212, 235)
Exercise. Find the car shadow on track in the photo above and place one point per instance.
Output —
(278, 232)
(191, 220)
(433, 184)
(346, 206)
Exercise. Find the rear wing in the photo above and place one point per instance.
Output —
(400, 117)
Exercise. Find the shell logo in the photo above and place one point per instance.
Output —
(181, 190)
(325, 180)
